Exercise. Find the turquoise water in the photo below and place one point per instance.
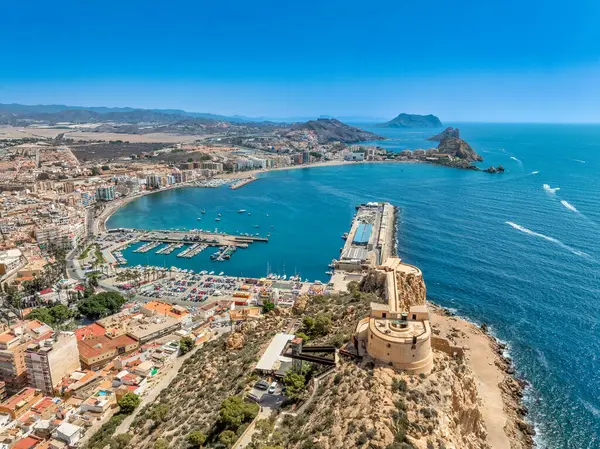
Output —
(496, 248)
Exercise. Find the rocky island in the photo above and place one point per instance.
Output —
(412, 121)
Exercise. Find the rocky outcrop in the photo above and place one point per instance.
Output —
(412, 121)
(458, 148)
(448, 132)
(235, 341)
(492, 169)
(411, 289)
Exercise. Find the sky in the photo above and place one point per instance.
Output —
(463, 60)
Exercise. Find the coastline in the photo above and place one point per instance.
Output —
(100, 221)
(500, 392)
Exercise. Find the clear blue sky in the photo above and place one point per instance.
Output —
(525, 60)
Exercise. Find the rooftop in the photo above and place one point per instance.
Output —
(272, 355)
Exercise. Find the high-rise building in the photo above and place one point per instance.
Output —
(106, 193)
(49, 360)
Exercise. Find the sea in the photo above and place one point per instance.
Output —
(519, 251)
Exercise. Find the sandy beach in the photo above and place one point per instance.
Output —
(498, 391)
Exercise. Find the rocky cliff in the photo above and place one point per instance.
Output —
(411, 290)
(457, 147)
(448, 132)
(412, 121)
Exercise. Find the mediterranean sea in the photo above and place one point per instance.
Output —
(519, 250)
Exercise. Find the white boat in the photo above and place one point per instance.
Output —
(241, 211)
(198, 218)
(221, 273)
(217, 219)
(212, 272)
(329, 272)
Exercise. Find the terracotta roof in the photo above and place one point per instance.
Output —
(93, 330)
(93, 347)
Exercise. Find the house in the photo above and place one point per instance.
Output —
(69, 433)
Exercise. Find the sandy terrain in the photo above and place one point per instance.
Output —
(499, 410)
(7, 132)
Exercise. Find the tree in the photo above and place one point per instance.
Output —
(95, 171)
(53, 316)
(235, 411)
(105, 167)
(101, 305)
(228, 438)
(322, 325)
(268, 306)
(308, 323)
(295, 384)
(43, 176)
(190, 159)
(120, 441)
(129, 402)
(305, 338)
(186, 344)
(196, 438)
(159, 412)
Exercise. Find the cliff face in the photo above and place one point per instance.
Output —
(411, 290)
(457, 147)
(448, 132)
(365, 407)
(412, 121)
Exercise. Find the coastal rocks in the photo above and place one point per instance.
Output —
(458, 148)
(492, 169)
(448, 132)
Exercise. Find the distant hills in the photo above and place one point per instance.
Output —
(412, 121)
(330, 130)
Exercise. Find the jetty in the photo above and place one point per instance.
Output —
(242, 183)
(370, 240)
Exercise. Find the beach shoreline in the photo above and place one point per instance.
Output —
(500, 392)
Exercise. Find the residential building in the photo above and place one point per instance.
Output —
(63, 236)
(105, 193)
(13, 343)
(88, 198)
(69, 433)
(159, 308)
(20, 403)
(97, 351)
(10, 260)
(48, 361)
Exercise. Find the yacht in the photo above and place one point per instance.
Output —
(241, 211)
(198, 218)
(217, 219)
(203, 211)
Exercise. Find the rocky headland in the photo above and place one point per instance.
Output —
(448, 132)
(412, 121)
(328, 130)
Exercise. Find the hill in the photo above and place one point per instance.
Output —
(412, 121)
(448, 132)
(329, 130)
(452, 144)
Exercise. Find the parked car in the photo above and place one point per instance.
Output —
(261, 385)
(272, 388)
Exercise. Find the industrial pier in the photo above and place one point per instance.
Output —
(370, 240)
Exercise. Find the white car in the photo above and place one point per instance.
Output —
(272, 388)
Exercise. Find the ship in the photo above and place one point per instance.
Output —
(241, 211)
(217, 219)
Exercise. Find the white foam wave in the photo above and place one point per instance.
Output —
(515, 159)
(535, 172)
(547, 238)
(569, 206)
(551, 190)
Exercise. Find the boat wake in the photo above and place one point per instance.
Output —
(550, 190)
(569, 206)
(579, 160)
(515, 159)
(547, 238)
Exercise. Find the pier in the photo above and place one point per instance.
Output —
(242, 183)
(370, 240)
